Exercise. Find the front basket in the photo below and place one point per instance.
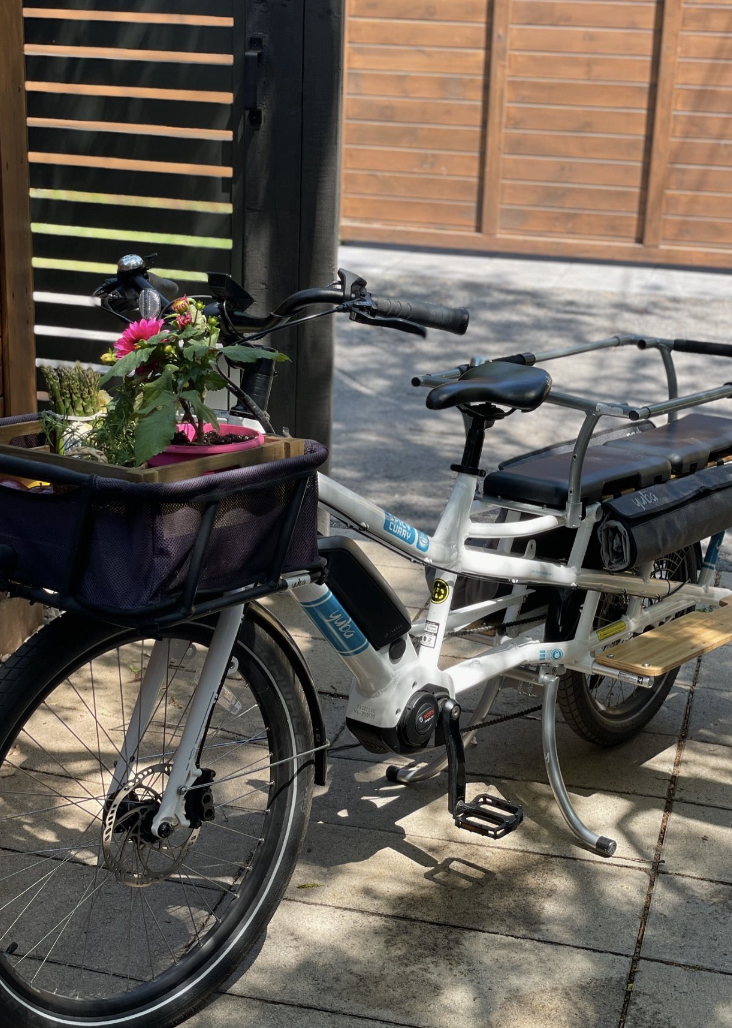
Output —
(136, 553)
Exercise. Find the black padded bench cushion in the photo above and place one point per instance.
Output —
(607, 471)
(689, 443)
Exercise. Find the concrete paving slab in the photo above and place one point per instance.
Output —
(642, 765)
(514, 750)
(705, 775)
(679, 997)
(699, 842)
(333, 710)
(716, 670)
(472, 885)
(429, 976)
(235, 1012)
(328, 670)
(689, 923)
(359, 795)
(619, 279)
(711, 716)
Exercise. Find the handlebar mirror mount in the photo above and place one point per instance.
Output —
(352, 284)
(224, 287)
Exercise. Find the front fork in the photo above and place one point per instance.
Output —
(184, 771)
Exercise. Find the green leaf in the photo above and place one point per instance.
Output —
(154, 432)
(203, 413)
(215, 381)
(194, 350)
(247, 354)
(153, 340)
(130, 362)
(153, 392)
(165, 398)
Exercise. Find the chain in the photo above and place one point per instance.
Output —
(501, 720)
(506, 717)
(482, 628)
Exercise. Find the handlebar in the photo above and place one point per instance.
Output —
(431, 315)
(165, 286)
(231, 302)
(704, 349)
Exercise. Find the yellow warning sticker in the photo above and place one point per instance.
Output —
(440, 591)
(609, 630)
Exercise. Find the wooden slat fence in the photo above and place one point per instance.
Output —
(561, 127)
(130, 149)
(17, 377)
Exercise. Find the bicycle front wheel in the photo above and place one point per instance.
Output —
(101, 923)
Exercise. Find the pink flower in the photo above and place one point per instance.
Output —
(138, 330)
(183, 319)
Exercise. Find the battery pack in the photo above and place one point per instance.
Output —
(366, 597)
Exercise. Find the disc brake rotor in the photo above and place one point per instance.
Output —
(134, 855)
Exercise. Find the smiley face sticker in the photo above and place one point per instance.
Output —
(440, 591)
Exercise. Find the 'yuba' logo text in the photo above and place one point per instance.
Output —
(644, 500)
(342, 623)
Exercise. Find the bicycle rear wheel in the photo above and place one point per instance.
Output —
(100, 922)
(605, 710)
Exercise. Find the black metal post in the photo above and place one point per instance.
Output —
(287, 165)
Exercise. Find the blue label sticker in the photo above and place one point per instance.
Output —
(555, 654)
(337, 627)
(405, 532)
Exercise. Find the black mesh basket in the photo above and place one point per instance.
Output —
(136, 553)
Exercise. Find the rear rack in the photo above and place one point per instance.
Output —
(595, 410)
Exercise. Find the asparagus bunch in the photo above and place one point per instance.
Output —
(72, 391)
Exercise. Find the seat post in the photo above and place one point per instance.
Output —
(481, 418)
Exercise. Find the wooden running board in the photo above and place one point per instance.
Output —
(672, 644)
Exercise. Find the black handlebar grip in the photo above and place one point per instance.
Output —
(705, 349)
(527, 359)
(431, 315)
(166, 286)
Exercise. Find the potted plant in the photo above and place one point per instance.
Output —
(166, 366)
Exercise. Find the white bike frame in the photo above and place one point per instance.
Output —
(522, 658)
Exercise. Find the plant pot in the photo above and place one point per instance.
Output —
(177, 453)
(73, 429)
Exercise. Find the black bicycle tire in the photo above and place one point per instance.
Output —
(580, 709)
(25, 679)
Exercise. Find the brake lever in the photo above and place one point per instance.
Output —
(410, 327)
(109, 285)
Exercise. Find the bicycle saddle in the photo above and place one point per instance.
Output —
(512, 385)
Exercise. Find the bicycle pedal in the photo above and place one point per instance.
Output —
(488, 815)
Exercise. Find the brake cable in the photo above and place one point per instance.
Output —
(288, 324)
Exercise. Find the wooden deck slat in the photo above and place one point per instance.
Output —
(662, 649)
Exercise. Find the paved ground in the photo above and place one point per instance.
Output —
(394, 917)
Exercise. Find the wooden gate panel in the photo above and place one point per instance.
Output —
(577, 128)
(415, 112)
(603, 142)
(697, 209)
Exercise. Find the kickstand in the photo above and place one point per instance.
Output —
(486, 815)
(599, 843)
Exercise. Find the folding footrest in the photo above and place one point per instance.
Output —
(670, 645)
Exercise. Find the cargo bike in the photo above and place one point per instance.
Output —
(160, 739)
